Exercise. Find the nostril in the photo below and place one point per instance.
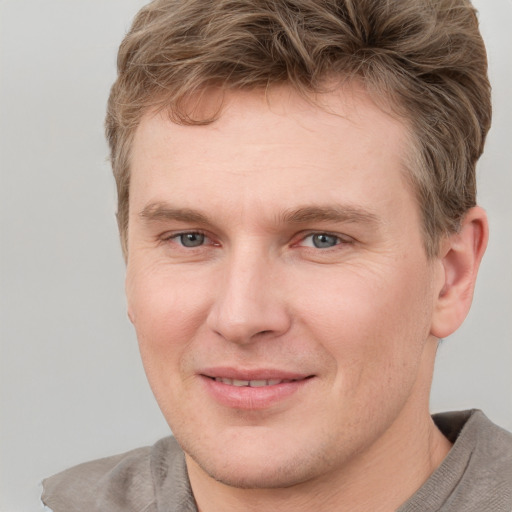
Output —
(264, 332)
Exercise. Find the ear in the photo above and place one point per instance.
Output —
(460, 258)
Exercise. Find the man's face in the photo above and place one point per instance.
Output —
(279, 286)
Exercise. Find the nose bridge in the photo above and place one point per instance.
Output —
(248, 302)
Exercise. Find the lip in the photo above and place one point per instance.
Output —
(252, 398)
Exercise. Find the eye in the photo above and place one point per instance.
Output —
(321, 240)
(191, 239)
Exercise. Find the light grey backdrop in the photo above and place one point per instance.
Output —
(72, 387)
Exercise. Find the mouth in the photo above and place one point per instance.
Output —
(253, 390)
(255, 383)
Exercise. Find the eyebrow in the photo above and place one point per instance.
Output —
(163, 212)
(339, 214)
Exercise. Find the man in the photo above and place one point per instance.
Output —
(297, 210)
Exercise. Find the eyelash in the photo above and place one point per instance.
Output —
(177, 236)
(338, 240)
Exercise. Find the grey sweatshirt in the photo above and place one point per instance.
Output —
(476, 476)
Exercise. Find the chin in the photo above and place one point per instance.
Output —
(258, 477)
(259, 469)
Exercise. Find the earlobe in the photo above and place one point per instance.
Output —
(460, 258)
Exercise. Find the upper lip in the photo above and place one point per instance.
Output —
(252, 374)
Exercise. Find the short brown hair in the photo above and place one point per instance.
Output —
(426, 57)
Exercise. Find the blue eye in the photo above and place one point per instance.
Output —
(321, 241)
(191, 239)
(324, 241)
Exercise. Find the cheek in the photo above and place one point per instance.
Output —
(374, 325)
(166, 310)
(167, 313)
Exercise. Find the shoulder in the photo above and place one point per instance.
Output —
(487, 480)
(126, 482)
(490, 467)
(487, 442)
(476, 474)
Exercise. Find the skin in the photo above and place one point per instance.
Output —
(307, 259)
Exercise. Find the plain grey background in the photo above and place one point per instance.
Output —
(72, 386)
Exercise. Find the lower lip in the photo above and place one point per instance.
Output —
(249, 398)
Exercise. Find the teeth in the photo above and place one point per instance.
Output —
(241, 383)
(258, 383)
(251, 383)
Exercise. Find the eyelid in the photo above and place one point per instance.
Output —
(342, 239)
(173, 235)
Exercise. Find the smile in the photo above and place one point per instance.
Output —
(253, 392)
(253, 383)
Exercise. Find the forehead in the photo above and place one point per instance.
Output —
(272, 146)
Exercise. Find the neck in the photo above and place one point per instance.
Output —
(381, 479)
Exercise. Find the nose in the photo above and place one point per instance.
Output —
(249, 303)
